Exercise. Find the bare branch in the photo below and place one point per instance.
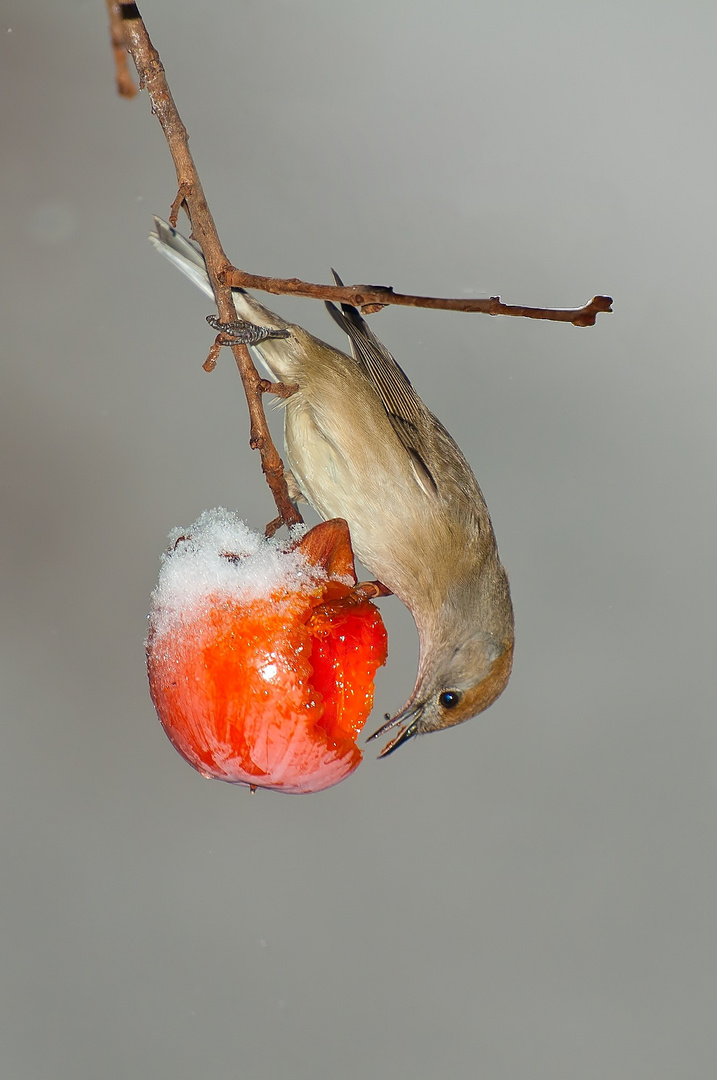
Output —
(282, 390)
(191, 195)
(125, 85)
(373, 297)
(129, 32)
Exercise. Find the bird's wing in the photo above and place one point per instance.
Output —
(403, 406)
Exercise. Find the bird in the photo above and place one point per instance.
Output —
(361, 445)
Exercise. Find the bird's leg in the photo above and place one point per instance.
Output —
(240, 332)
(370, 590)
(360, 594)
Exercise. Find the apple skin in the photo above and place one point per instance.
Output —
(272, 691)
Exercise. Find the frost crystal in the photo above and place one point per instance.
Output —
(219, 555)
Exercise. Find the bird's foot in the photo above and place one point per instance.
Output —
(360, 594)
(240, 332)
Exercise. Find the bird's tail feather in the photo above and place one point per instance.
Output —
(182, 253)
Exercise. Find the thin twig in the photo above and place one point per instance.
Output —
(191, 195)
(373, 297)
(125, 85)
(366, 297)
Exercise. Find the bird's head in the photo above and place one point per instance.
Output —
(451, 688)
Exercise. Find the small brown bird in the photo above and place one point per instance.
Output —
(361, 445)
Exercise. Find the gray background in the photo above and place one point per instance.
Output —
(529, 896)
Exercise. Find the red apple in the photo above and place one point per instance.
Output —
(261, 661)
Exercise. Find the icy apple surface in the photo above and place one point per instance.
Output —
(261, 660)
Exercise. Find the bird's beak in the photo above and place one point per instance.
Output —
(412, 715)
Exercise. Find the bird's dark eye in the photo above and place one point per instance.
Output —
(449, 699)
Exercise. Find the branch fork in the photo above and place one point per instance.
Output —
(129, 33)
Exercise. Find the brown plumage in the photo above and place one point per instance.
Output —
(363, 446)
